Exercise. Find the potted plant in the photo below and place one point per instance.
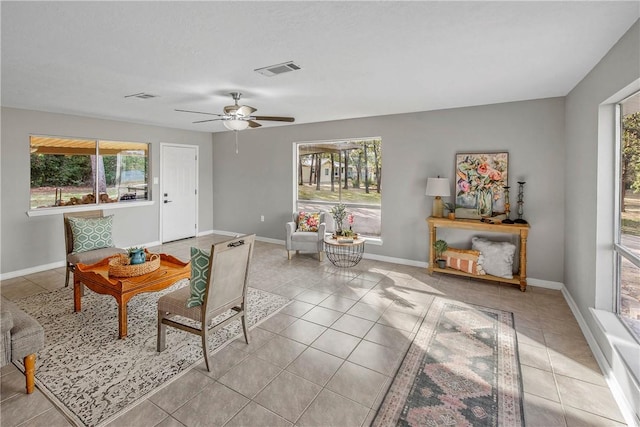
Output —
(452, 210)
(338, 212)
(137, 255)
(439, 247)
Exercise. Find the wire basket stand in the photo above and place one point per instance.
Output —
(344, 255)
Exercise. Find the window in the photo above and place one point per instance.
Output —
(353, 177)
(627, 239)
(71, 171)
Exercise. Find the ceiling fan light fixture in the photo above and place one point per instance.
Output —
(236, 124)
(238, 117)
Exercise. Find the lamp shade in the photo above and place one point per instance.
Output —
(438, 187)
(236, 124)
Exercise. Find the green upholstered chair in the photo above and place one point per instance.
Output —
(87, 256)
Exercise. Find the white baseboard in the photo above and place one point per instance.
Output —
(269, 240)
(148, 245)
(225, 233)
(393, 260)
(258, 238)
(548, 284)
(627, 410)
(32, 270)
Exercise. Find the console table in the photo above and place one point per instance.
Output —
(519, 278)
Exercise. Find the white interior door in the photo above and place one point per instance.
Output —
(179, 192)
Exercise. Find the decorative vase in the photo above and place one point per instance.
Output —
(451, 215)
(441, 263)
(484, 200)
(137, 257)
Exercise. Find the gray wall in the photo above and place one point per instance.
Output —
(259, 179)
(590, 202)
(589, 171)
(33, 241)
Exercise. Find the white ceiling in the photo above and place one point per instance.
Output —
(358, 58)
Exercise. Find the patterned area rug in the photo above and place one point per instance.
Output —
(94, 375)
(462, 369)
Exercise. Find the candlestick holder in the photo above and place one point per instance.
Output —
(520, 220)
(507, 205)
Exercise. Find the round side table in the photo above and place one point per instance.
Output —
(343, 253)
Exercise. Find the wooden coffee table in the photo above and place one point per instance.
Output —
(96, 277)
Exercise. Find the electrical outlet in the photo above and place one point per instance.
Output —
(261, 218)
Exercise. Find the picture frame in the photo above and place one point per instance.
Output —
(480, 182)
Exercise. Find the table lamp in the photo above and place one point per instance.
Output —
(438, 187)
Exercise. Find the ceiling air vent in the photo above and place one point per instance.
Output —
(141, 95)
(273, 70)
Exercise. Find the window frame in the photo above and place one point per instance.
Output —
(376, 240)
(53, 210)
(620, 251)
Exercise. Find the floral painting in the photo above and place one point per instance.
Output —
(480, 178)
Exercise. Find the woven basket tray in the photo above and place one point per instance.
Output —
(119, 266)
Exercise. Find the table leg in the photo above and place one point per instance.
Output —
(122, 318)
(523, 261)
(77, 293)
(432, 239)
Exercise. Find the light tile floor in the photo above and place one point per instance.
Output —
(328, 357)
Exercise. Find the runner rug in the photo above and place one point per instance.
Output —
(93, 375)
(462, 369)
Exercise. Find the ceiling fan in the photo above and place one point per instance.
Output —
(238, 117)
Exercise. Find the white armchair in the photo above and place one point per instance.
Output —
(298, 239)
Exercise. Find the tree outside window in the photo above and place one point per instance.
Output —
(353, 176)
(73, 171)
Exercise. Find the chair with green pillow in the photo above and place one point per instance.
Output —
(88, 238)
(218, 285)
(306, 233)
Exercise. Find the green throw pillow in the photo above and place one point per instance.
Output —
(91, 233)
(199, 273)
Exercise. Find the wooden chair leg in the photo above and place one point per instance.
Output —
(162, 333)
(289, 254)
(66, 280)
(244, 328)
(204, 347)
(30, 371)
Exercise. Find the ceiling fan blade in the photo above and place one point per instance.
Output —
(245, 110)
(208, 120)
(274, 118)
(238, 110)
(198, 112)
(253, 124)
